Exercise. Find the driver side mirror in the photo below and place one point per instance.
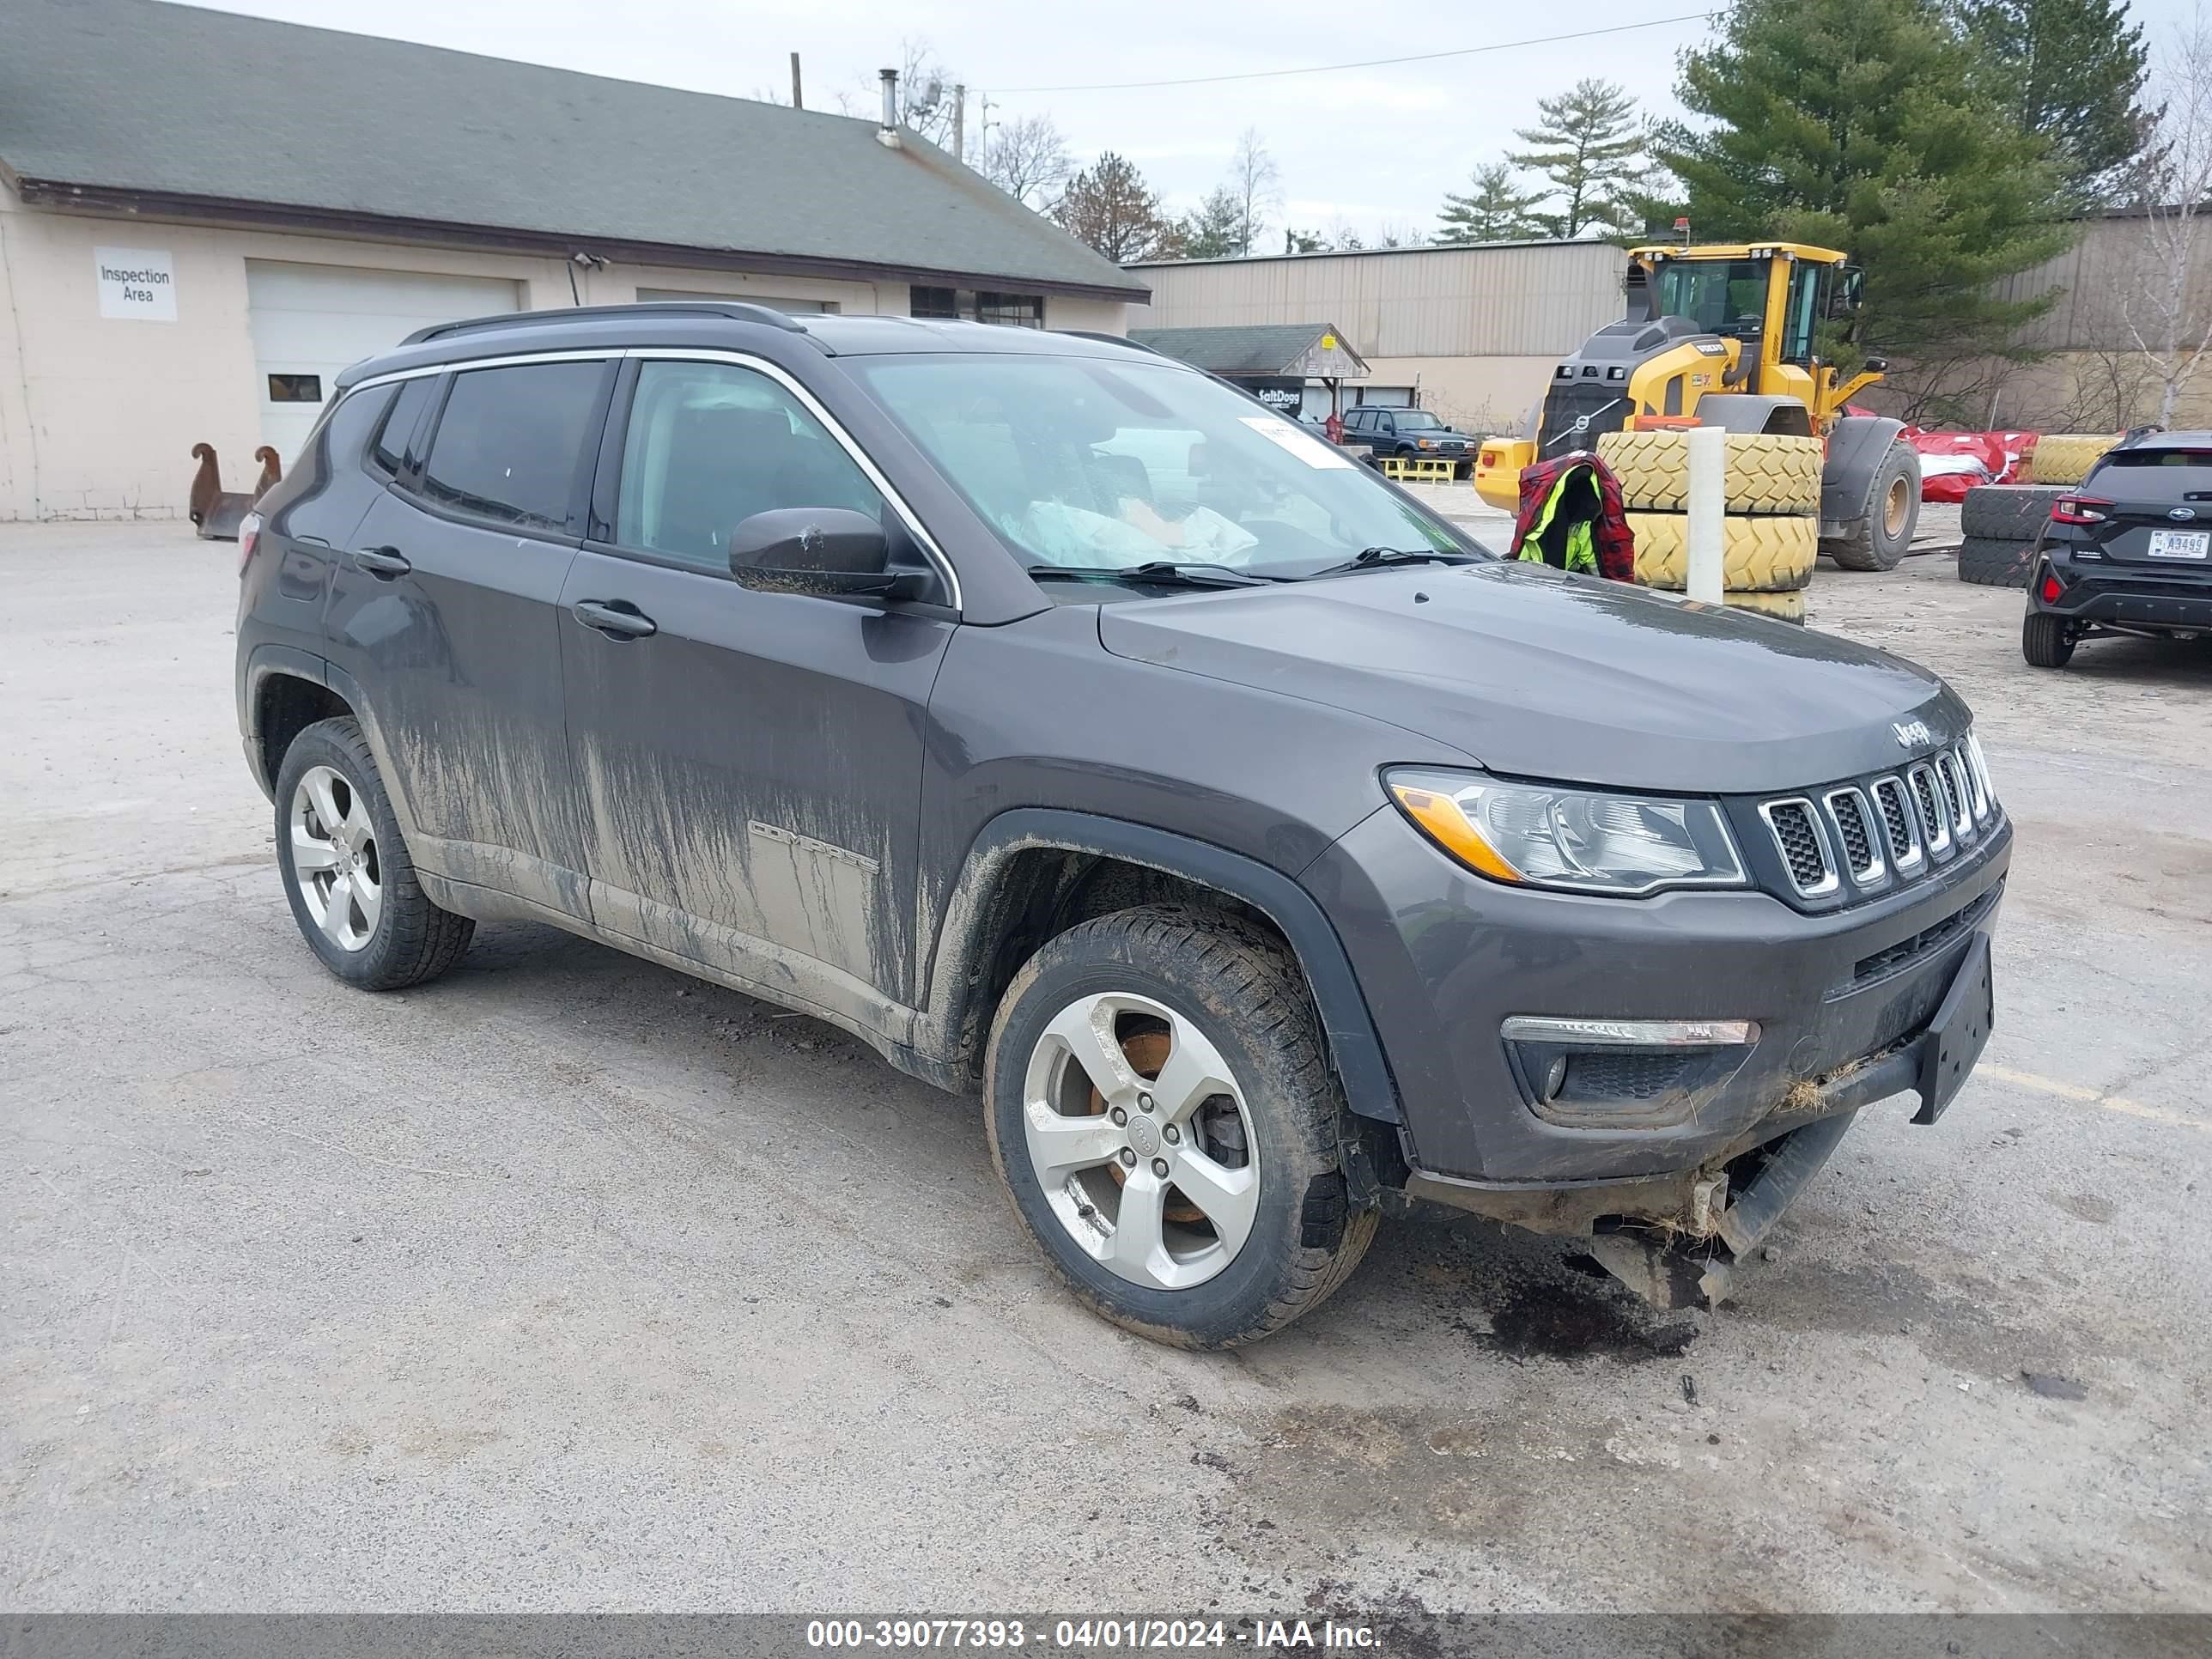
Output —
(832, 552)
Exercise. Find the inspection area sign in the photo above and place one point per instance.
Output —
(136, 283)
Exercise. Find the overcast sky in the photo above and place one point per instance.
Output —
(1369, 147)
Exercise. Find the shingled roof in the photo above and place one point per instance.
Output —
(138, 105)
(1250, 349)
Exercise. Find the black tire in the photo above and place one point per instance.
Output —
(412, 939)
(1245, 996)
(1995, 563)
(2007, 513)
(2045, 641)
(1883, 531)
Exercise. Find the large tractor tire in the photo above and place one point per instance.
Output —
(1990, 564)
(2007, 513)
(2065, 458)
(1886, 516)
(1767, 472)
(1760, 553)
(1785, 607)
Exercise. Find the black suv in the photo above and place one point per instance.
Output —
(2128, 550)
(1081, 735)
(1408, 433)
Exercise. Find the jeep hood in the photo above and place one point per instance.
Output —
(1536, 674)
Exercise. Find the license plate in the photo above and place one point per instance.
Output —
(1959, 1033)
(2181, 543)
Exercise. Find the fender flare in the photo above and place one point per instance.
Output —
(1355, 1046)
(1856, 446)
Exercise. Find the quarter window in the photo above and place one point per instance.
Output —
(392, 451)
(707, 445)
(511, 441)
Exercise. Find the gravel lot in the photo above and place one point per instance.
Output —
(568, 1282)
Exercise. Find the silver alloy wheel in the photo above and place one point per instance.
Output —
(336, 862)
(1109, 1182)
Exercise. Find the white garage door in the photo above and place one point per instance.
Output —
(308, 322)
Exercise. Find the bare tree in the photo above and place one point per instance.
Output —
(926, 97)
(1028, 159)
(2168, 325)
(1257, 185)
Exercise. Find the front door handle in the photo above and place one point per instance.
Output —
(618, 619)
(385, 563)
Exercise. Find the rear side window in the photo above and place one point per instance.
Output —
(708, 445)
(347, 427)
(390, 451)
(510, 444)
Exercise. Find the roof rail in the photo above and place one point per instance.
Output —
(1107, 339)
(735, 310)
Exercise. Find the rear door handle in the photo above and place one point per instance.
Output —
(385, 563)
(618, 619)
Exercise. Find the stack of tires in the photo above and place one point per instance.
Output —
(2065, 458)
(1771, 535)
(1997, 527)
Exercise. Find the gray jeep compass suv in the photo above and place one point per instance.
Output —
(1082, 735)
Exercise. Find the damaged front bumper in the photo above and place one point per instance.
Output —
(1676, 1238)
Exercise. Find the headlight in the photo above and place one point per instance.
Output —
(1584, 841)
(1425, 443)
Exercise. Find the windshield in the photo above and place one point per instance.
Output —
(1414, 420)
(1720, 296)
(1086, 464)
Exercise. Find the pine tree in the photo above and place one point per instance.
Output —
(2071, 71)
(1860, 125)
(1109, 206)
(1496, 210)
(1590, 145)
(1212, 230)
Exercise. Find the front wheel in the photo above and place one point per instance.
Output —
(1162, 1109)
(1891, 513)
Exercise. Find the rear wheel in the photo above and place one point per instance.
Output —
(346, 871)
(1162, 1109)
(2047, 641)
(1890, 513)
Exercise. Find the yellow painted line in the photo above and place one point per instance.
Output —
(2047, 1085)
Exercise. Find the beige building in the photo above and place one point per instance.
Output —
(204, 217)
(1472, 332)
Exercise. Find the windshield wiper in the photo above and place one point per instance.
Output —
(1160, 573)
(1376, 558)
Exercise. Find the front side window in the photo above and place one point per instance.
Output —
(707, 445)
(1104, 465)
(512, 440)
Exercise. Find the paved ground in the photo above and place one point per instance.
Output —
(568, 1282)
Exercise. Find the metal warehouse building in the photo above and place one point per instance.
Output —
(204, 217)
(1474, 333)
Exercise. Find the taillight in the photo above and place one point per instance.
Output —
(2051, 589)
(249, 532)
(2079, 509)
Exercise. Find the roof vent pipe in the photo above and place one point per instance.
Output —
(888, 132)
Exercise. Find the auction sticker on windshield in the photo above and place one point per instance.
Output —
(1309, 449)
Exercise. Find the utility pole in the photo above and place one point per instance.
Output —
(797, 99)
(959, 122)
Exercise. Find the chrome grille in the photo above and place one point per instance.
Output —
(1897, 819)
(1803, 843)
(1954, 797)
(1871, 835)
(1935, 827)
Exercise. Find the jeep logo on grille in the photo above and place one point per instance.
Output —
(1912, 733)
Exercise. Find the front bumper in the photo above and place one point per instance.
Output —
(1445, 957)
(2106, 592)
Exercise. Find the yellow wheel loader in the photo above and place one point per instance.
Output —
(1725, 336)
